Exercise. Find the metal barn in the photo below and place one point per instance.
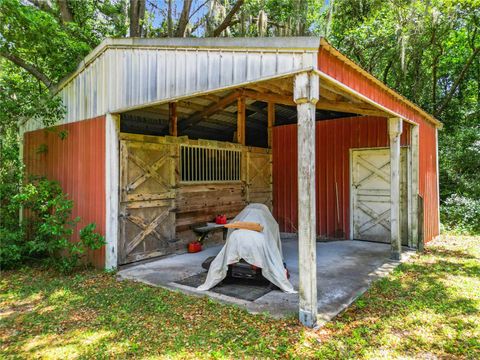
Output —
(163, 134)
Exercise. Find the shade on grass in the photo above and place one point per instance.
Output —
(428, 307)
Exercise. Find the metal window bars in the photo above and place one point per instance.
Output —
(202, 164)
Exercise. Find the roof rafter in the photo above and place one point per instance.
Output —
(201, 115)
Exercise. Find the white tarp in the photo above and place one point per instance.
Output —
(263, 250)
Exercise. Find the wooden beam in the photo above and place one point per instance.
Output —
(286, 85)
(249, 123)
(172, 128)
(329, 95)
(347, 107)
(394, 131)
(271, 122)
(241, 120)
(148, 113)
(257, 109)
(212, 97)
(306, 95)
(190, 105)
(199, 116)
(335, 90)
(266, 97)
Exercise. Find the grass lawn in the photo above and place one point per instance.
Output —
(428, 308)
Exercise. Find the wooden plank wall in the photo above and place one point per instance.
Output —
(201, 202)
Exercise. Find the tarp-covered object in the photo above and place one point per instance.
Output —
(262, 249)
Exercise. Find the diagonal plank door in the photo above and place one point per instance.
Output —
(147, 180)
(371, 195)
(259, 178)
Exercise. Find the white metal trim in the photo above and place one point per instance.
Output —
(272, 44)
(220, 89)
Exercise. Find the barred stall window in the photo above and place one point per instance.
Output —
(206, 164)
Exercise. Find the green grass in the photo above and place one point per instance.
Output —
(428, 308)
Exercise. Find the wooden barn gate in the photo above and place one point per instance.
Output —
(158, 208)
(370, 196)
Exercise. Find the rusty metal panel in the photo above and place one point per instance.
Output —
(334, 139)
(78, 164)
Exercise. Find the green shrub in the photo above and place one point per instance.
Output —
(49, 226)
(46, 229)
(461, 215)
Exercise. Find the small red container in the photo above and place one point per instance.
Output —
(221, 219)
(194, 247)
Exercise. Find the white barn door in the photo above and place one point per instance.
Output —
(370, 187)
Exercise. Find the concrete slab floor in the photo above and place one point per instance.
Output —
(345, 269)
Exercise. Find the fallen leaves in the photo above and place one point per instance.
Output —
(427, 307)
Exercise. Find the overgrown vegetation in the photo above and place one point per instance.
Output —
(45, 230)
(428, 308)
(428, 51)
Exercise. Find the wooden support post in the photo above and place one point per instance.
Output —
(271, 122)
(172, 114)
(241, 120)
(306, 92)
(414, 151)
(395, 130)
(112, 174)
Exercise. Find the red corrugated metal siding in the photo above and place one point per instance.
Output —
(78, 164)
(334, 139)
(336, 68)
(427, 186)
(339, 70)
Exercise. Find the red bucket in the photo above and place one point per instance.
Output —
(194, 247)
(221, 219)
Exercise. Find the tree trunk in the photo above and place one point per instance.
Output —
(65, 13)
(457, 82)
(137, 14)
(169, 18)
(228, 19)
(37, 73)
(184, 17)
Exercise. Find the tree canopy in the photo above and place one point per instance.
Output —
(428, 51)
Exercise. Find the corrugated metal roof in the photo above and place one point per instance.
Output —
(280, 43)
(131, 73)
(126, 74)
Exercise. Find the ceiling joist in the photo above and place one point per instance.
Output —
(201, 115)
(346, 107)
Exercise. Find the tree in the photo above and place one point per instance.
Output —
(428, 51)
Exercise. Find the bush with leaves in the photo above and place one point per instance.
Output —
(46, 229)
(461, 215)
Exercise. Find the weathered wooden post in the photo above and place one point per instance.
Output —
(241, 135)
(395, 130)
(305, 95)
(112, 173)
(271, 122)
(172, 114)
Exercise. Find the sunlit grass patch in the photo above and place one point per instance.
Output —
(427, 308)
